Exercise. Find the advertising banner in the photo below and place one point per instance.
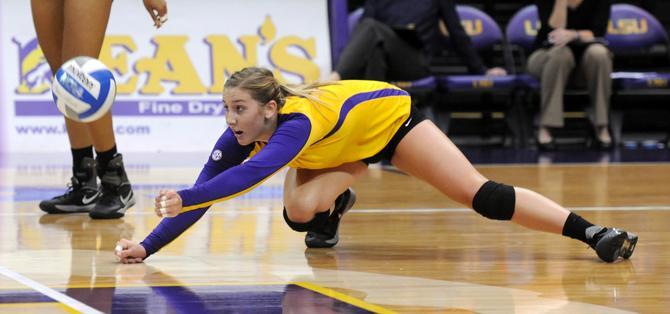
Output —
(169, 80)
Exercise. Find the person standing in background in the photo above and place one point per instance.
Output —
(67, 29)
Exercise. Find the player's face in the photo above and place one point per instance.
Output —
(246, 117)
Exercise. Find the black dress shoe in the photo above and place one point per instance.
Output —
(603, 145)
(598, 143)
(550, 146)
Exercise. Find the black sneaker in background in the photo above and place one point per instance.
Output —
(610, 243)
(81, 195)
(328, 235)
(117, 194)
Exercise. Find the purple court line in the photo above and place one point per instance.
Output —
(28, 108)
(3, 135)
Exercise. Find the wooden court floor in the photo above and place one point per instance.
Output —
(404, 248)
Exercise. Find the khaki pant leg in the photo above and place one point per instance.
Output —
(553, 67)
(596, 68)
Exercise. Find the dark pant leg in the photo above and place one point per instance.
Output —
(375, 52)
(405, 61)
(364, 47)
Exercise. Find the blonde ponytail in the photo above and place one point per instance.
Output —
(263, 87)
(310, 91)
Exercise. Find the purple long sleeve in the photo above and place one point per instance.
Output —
(230, 176)
(169, 228)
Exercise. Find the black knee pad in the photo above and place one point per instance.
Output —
(495, 201)
(319, 220)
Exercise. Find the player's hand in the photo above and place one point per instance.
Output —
(168, 203)
(157, 10)
(129, 252)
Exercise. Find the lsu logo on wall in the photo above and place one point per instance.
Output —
(629, 26)
(530, 28)
(171, 62)
(473, 27)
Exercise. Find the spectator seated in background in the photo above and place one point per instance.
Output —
(395, 39)
(568, 41)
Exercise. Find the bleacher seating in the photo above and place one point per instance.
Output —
(633, 32)
(486, 37)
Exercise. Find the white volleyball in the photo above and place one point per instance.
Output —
(84, 89)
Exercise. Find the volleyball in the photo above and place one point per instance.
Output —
(83, 89)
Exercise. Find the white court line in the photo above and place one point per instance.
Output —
(62, 298)
(439, 210)
(374, 211)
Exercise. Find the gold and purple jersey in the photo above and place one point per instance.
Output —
(354, 120)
